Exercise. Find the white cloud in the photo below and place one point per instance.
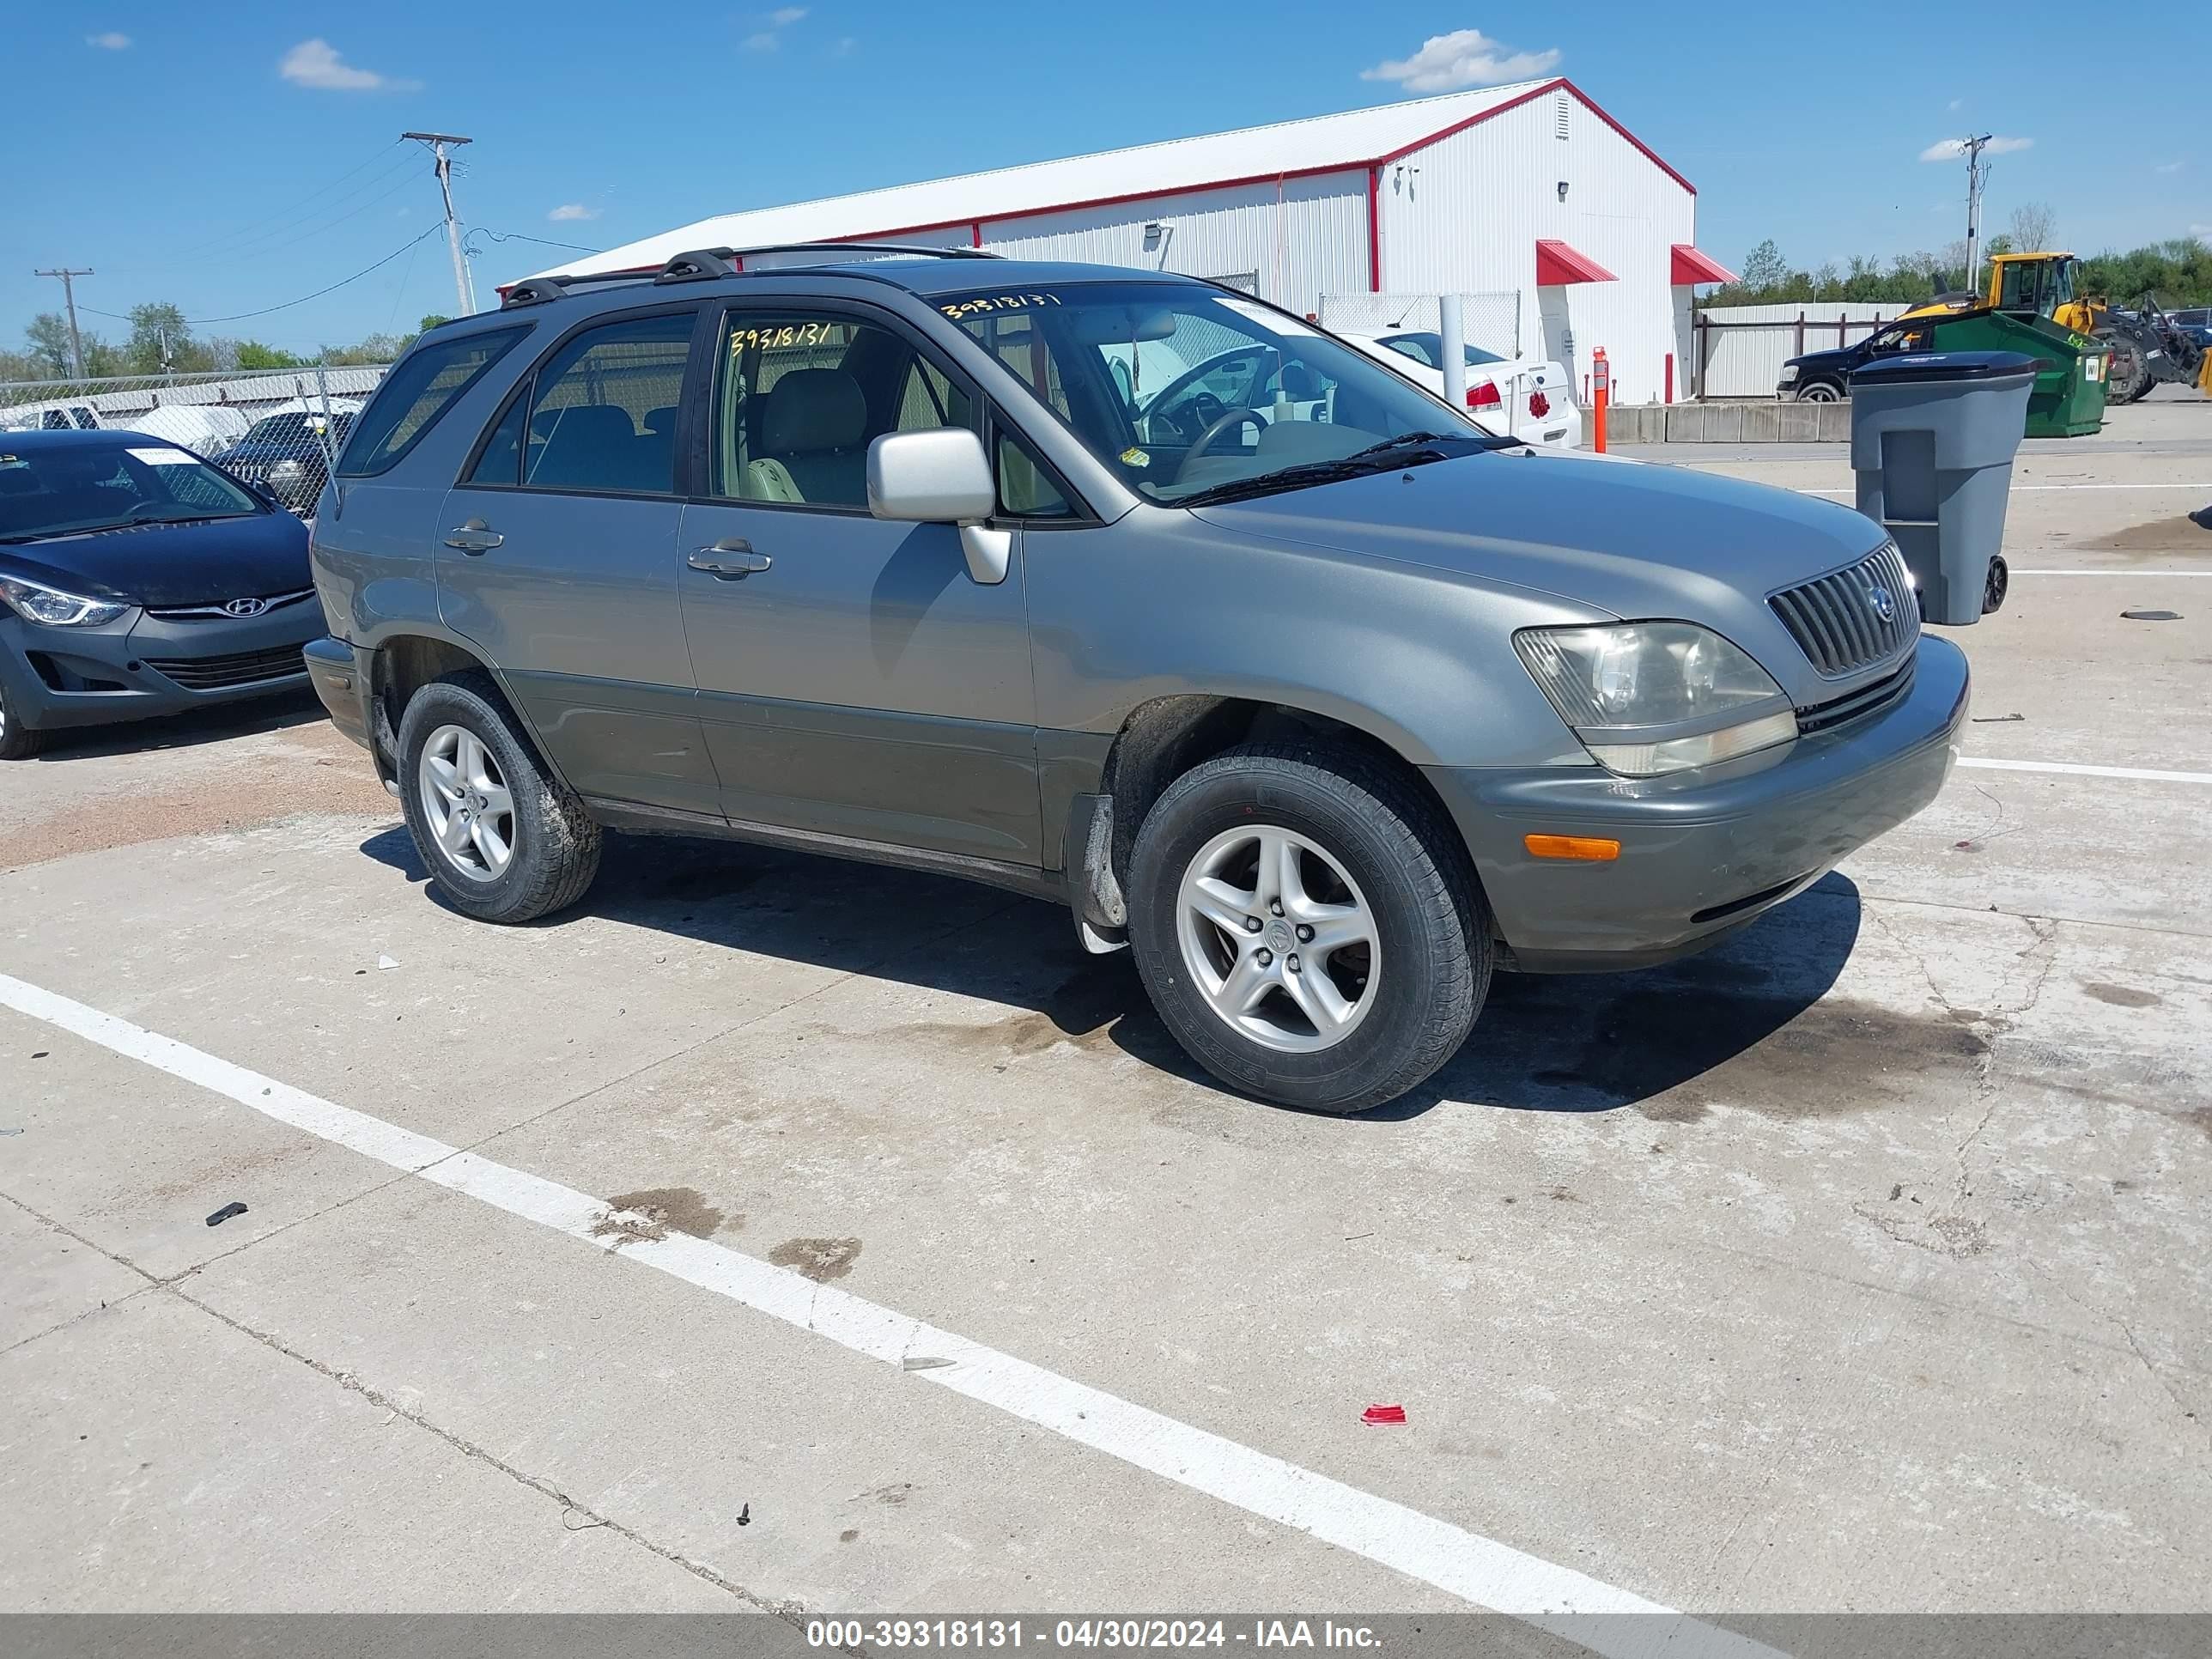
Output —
(764, 42)
(784, 16)
(2200, 230)
(1956, 103)
(1465, 57)
(2169, 167)
(316, 64)
(111, 41)
(568, 210)
(1950, 149)
(844, 46)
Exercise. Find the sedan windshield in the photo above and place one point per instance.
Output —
(62, 490)
(1192, 393)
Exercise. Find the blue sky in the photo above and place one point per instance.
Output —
(237, 157)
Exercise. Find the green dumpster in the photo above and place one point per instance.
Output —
(2068, 398)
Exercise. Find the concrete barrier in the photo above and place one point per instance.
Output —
(1747, 422)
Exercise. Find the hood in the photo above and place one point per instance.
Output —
(1639, 542)
(172, 564)
(1848, 356)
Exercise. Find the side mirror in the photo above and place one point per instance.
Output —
(941, 477)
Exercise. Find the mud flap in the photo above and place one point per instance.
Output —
(1094, 894)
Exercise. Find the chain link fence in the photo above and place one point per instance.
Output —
(1491, 322)
(276, 430)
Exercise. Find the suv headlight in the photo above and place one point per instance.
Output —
(1652, 698)
(1788, 372)
(56, 609)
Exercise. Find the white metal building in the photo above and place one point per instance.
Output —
(1530, 190)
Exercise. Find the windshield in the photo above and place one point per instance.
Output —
(71, 487)
(1430, 348)
(1184, 390)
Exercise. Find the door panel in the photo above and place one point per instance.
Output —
(852, 680)
(578, 606)
(862, 685)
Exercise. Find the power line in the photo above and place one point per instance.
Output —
(244, 316)
(517, 236)
(285, 213)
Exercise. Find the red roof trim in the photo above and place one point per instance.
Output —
(1692, 267)
(1557, 264)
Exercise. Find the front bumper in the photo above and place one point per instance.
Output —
(141, 666)
(1704, 854)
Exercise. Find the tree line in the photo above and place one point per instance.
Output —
(162, 342)
(2177, 271)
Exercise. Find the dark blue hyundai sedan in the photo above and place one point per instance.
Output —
(138, 579)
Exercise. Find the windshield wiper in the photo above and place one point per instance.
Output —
(139, 515)
(1411, 449)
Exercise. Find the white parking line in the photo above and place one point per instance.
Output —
(2069, 770)
(2117, 571)
(1478, 1569)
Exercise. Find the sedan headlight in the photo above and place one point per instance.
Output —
(56, 609)
(1652, 698)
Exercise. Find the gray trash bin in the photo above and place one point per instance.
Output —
(1932, 440)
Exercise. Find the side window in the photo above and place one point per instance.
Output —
(1025, 488)
(603, 410)
(930, 400)
(501, 463)
(798, 399)
(420, 388)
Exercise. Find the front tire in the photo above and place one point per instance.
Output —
(504, 841)
(1305, 922)
(1819, 392)
(17, 740)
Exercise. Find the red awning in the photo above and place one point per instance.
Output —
(1558, 264)
(1692, 267)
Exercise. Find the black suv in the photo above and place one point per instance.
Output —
(287, 455)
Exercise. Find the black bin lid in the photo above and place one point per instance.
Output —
(1944, 365)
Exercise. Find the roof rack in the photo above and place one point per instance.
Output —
(712, 263)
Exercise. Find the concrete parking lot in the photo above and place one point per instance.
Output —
(774, 1232)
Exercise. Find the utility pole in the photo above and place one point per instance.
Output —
(69, 299)
(1977, 175)
(462, 288)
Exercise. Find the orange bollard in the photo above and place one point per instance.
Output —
(1600, 396)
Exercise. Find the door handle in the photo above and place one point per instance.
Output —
(729, 560)
(474, 537)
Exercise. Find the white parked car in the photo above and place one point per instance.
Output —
(1533, 398)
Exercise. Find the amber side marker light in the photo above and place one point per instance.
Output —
(1589, 848)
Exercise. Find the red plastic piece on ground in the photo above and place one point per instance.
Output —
(1383, 1414)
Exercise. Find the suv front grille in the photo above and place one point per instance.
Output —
(239, 668)
(1836, 619)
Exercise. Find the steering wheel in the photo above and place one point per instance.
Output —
(1228, 420)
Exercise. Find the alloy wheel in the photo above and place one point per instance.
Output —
(1279, 939)
(466, 804)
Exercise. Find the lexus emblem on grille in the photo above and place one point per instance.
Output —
(255, 607)
(1884, 604)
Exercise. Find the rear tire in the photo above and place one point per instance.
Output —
(503, 840)
(2127, 375)
(1370, 863)
(17, 740)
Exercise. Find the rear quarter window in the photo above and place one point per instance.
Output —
(421, 387)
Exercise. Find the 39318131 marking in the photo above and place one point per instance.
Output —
(865, 1635)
